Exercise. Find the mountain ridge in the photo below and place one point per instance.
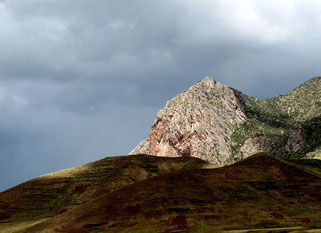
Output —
(239, 125)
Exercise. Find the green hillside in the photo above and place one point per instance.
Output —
(274, 118)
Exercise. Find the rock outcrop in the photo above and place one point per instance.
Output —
(221, 125)
(296, 138)
(198, 123)
(142, 148)
(273, 145)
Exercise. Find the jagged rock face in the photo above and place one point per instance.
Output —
(252, 146)
(219, 124)
(198, 123)
(296, 139)
(142, 148)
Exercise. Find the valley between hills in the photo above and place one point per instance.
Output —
(216, 160)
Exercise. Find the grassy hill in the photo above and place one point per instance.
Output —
(154, 194)
(58, 192)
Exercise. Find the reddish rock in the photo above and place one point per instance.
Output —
(296, 139)
(80, 188)
(180, 222)
(201, 121)
(198, 122)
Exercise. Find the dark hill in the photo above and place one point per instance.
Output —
(58, 192)
(260, 192)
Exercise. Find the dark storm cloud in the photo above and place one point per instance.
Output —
(82, 79)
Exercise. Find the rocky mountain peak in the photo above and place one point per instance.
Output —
(198, 122)
(219, 124)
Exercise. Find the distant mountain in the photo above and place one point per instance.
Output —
(156, 194)
(222, 125)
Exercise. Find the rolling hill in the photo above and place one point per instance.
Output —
(174, 195)
(58, 192)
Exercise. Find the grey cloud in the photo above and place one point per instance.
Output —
(82, 79)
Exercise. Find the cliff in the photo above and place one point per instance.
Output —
(219, 124)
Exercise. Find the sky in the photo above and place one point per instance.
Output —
(84, 79)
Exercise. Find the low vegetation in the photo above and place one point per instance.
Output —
(179, 195)
(275, 117)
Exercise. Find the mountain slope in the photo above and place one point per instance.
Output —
(219, 124)
(258, 192)
(58, 192)
(198, 123)
(287, 125)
